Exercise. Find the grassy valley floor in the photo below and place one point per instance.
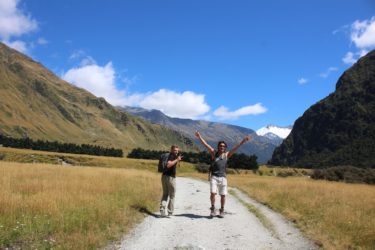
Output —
(46, 206)
(81, 207)
(335, 215)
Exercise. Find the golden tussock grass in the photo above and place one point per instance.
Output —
(49, 206)
(43, 206)
(35, 156)
(336, 215)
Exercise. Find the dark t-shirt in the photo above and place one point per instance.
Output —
(219, 165)
(172, 170)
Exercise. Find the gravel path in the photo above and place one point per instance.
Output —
(191, 228)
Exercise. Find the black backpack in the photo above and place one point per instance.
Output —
(163, 160)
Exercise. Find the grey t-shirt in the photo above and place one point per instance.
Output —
(219, 165)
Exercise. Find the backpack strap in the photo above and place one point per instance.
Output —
(165, 161)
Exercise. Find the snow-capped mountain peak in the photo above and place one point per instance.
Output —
(281, 132)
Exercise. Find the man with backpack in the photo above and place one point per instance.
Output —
(167, 165)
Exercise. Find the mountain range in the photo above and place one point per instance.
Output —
(213, 132)
(274, 133)
(37, 104)
(338, 130)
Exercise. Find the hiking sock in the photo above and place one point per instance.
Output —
(221, 214)
(212, 211)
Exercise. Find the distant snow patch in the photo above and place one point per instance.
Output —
(281, 132)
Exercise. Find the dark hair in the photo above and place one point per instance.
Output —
(220, 142)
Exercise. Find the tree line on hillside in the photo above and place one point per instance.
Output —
(54, 146)
(237, 161)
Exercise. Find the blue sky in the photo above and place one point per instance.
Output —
(248, 63)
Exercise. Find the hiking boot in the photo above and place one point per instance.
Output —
(212, 213)
(221, 214)
(163, 212)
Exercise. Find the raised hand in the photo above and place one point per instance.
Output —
(246, 139)
(197, 134)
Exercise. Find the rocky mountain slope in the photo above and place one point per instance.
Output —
(211, 131)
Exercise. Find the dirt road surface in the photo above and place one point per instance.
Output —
(191, 227)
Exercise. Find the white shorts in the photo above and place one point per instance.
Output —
(218, 184)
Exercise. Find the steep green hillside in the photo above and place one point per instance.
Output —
(36, 103)
(338, 130)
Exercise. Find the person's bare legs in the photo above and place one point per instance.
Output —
(212, 198)
(222, 201)
(221, 215)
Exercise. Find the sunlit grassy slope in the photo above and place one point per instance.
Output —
(38, 104)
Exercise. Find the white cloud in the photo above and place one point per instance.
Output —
(341, 29)
(129, 80)
(302, 80)
(77, 54)
(362, 52)
(256, 109)
(17, 45)
(184, 105)
(363, 33)
(349, 58)
(100, 80)
(13, 22)
(88, 60)
(41, 41)
(328, 72)
(85, 59)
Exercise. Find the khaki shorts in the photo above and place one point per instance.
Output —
(218, 185)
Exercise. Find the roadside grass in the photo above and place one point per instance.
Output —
(262, 218)
(45, 206)
(282, 171)
(50, 206)
(35, 156)
(335, 215)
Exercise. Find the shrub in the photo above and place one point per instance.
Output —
(232, 171)
(286, 174)
(346, 174)
(202, 168)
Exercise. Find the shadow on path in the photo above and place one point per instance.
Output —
(145, 210)
(193, 216)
